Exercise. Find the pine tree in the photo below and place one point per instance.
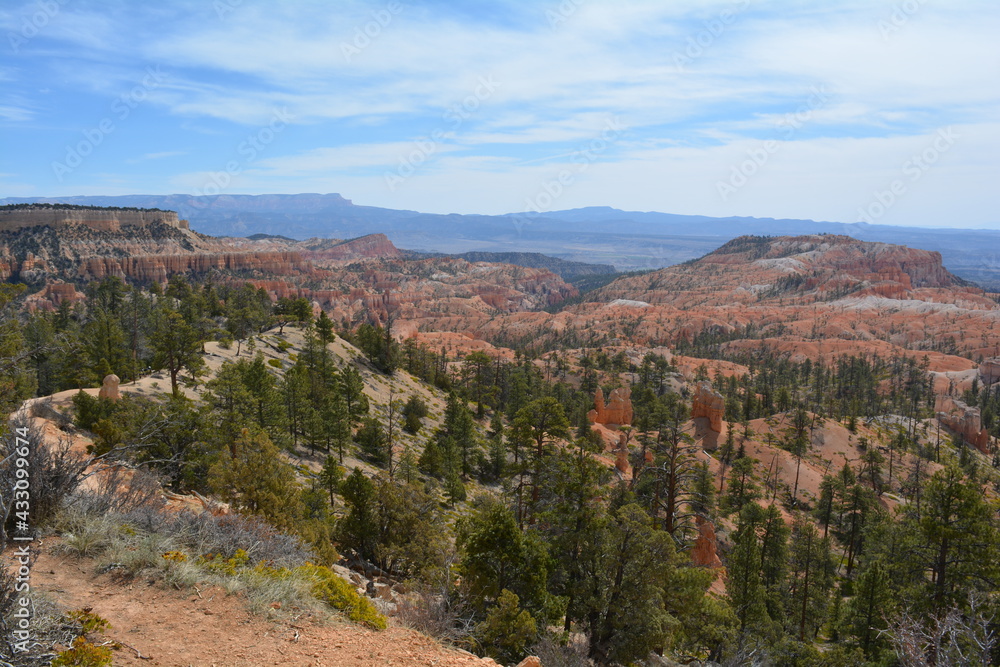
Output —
(176, 347)
(811, 577)
(256, 480)
(627, 619)
(872, 603)
(745, 585)
(540, 423)
(508, 631)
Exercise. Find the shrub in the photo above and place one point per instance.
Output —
(55, 472)
(276, 363)
(507, 632)
(90, 410)
(414, 411)
(339, 594)
(83, 654)
(89, 621)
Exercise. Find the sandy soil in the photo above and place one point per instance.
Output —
(178, 628)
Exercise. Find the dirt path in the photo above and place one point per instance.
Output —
(181, 628)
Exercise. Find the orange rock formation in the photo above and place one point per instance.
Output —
(965, 421)
(710, 404)
(704, 552)
(989, 371)
(618, 409)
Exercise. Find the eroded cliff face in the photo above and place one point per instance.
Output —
(710, 404)
(965, 421)
(158, 268)
(989, 371)
(437, 294)
(150, 252)
(109, 220)
(367, 276)
(372, 245)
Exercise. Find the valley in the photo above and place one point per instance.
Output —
(780, 410)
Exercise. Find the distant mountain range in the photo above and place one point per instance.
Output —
(628, 240)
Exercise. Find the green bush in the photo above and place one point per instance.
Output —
(507, 632)
(339, 594)
(90, 410)
(83, 654)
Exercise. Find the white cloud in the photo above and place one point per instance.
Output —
(556, 83)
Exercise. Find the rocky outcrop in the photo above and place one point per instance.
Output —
(372, 245)
(621, 455)
(965, 421)
(617, 411)
(710, 404)
(989, 371)
(109, 389)
(704, 553)
(54, 294)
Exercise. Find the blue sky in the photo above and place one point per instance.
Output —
(857, 110)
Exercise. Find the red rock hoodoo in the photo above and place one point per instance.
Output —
(618, 409)
(710, 404)
(704, 553)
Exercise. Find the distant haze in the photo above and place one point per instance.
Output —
(627, 240)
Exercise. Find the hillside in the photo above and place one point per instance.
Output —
(208, 620)
(811, 297)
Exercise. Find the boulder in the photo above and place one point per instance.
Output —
(109, 389)
(530, 661)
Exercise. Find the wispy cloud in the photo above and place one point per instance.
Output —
(156, 156)
(698, 84)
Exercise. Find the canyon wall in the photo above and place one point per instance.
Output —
(109, 220)
(159, 267)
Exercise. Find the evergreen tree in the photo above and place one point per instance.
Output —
(497, 556)
(540, 423)
(745, 585)
(871, 605)
(176, 347)
(626, 619)
(257, 481)
(508, 631)
(811, 578)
